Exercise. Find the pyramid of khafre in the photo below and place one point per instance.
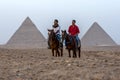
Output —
(96, 36)
(27, 36)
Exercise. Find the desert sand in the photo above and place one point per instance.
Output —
(39, 64)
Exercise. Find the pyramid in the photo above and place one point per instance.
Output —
(96, 36)
(27, 36)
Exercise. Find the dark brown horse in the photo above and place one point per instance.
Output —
(55, 45)
(71, 44)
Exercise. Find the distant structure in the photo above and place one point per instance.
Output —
(27, 36)
(96, 36)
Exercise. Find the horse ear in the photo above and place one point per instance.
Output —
(52, 30)
(61, 30)
(48, 29)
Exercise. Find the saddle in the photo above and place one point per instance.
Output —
(77, 42)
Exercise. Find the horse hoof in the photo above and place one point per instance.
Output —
(74, 56)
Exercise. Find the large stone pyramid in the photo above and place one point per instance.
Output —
(96, 36)
(27, 36)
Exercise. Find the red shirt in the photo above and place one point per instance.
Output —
(73, 30)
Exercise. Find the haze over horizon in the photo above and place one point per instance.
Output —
(43, 12)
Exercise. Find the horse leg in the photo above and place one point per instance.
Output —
(57, 53)
(79, 51)
(52, 52)
(61, 52)
(69, 52)
(74, 53)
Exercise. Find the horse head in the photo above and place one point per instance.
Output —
(64, 34)
(68, 39)
(51, 34)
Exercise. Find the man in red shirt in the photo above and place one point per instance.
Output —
(74, 31)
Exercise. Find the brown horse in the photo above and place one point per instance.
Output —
(55, 45)
(71, 44)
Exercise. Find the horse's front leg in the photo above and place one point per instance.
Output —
(52, 52)
(74, 53)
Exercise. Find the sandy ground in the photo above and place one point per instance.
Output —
(38, 64)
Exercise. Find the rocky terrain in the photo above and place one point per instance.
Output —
(39, 64)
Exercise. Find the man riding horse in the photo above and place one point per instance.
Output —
(56, 29)
(73, 32)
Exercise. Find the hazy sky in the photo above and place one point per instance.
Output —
(43, 12)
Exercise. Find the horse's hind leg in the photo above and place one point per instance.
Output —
(61, 52)
(52, 52)
(57, 53)
(69, 53)
(79, 52)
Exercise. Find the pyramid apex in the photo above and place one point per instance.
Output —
(27, 18)
(95, 23)
(27, 21)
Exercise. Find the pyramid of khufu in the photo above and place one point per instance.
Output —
(96, 36)
(27, 36)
